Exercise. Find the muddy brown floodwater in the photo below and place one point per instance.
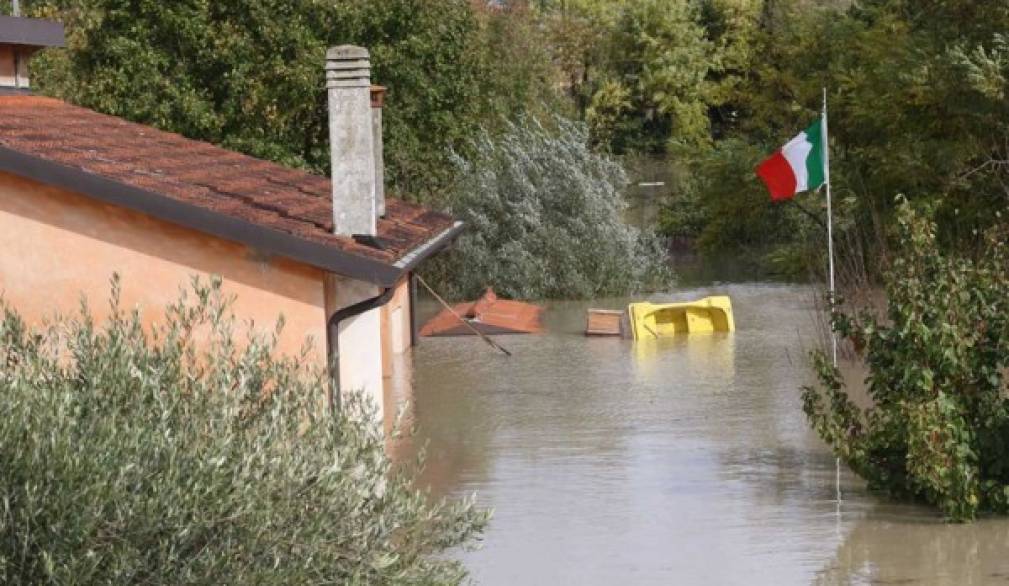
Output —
(681, 461)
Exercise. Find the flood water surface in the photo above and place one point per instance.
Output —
(677, 461)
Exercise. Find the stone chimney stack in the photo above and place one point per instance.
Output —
(20, 38)
(351, 141)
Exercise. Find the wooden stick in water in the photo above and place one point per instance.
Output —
(487, 339)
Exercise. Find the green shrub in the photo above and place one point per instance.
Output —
(545, 220)
(134, 458)
(938, 427)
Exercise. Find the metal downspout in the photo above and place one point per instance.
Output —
(414, 331)
(333, 335)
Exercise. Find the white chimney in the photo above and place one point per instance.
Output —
(351, 141)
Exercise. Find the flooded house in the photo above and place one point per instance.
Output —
(84, 195)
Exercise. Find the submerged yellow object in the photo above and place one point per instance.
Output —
(658, 320)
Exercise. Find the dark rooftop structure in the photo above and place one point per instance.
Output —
(31, 32)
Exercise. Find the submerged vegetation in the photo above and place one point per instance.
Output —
(545, 219)
(938, 422)
(187, 455)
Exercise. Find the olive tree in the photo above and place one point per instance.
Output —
(183, 455)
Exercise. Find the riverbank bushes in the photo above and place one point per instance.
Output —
(937, 429)
(134, 458)
(545, 220)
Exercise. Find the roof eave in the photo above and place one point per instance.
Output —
(411, 260)
(216, 224)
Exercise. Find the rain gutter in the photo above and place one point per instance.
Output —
(406, 265)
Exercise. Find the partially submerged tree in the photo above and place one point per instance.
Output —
(545, 216)
(938, 426)
(128, 458)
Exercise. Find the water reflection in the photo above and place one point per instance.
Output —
(896, 544)
(702, 357)
(675, 461)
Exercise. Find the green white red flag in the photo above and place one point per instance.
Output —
(799, 165)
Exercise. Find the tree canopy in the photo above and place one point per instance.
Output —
(917, 106)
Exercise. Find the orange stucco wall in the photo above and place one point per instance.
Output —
(56, 245)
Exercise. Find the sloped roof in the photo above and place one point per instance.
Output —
(208, 188)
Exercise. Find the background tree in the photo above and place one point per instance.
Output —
(915, 102)
(636, 71)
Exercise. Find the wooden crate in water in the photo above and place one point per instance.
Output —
(604, 322)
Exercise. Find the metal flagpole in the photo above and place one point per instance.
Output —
(830, 256)
(830, 222)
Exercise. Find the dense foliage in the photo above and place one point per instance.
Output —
(637, 70)
(937, 428)
(917, 101)
(545, 220)
(684, 80)
(916, 90)
(186, 456)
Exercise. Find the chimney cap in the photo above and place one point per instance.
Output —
(377, 96)
(31, 32)
(346, 53)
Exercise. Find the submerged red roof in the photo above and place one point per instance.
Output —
(488, 315)
(289, 201)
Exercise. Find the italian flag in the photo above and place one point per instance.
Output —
(797, 167)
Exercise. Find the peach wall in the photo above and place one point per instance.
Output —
(56, 245)
(396, 325)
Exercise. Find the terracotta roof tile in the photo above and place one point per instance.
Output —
(200, 174)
